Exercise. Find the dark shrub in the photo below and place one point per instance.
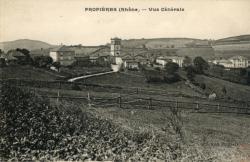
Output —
(171, 67)
(171, 78)
(75, 87)
(200, 65)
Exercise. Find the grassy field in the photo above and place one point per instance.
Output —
(27, 72)
(77, 71)
(136, 79)
(233, 90)
(207, 137)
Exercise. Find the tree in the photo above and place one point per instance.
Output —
(200, 65)
(190, 72)
(171, 67)
(2, 62)
(243, 71)
(27, 59)
(187, 61)
(57, 65)
(42, 61)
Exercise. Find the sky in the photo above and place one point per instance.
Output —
(67, 22)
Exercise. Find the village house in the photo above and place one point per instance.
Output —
(163, 60)
(239, 61)
(224, 62)
(131, 64)
(63, 55)
(82, 60)
(233, 62)
(12, 57)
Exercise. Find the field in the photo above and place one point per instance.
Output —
(138, 134)
(136, 79)
(27, 72)
(30, 72)
(234, 91)
(212, 137)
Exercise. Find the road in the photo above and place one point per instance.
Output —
(90, 75)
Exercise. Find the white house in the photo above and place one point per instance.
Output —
(164, 60)
(63, 55)
(131, 64)
(239, 61)
(233, 62)
(224, 62)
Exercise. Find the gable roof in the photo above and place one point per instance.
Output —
(103, 51)
(238, 58)
(8, 56)
(82, 51)
(60, 49)
(15, 53)
(224, 61)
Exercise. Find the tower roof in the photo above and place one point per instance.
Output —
(115, 38)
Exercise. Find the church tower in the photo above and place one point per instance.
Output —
(115, 48)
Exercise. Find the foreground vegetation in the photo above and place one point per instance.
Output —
(32, 128)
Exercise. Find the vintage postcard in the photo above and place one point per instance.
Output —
(125, 80)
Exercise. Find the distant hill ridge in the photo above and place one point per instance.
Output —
(234, 40)
(25, 43)
(237, 45)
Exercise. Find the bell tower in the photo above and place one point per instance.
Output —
(115, 48)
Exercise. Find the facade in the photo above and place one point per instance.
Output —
(239, 61)
(164, 60)
(82, 60)
(178, 60)
(223, 62)
(131, 64)
(115, 47)
(233, 62)
(62, 55)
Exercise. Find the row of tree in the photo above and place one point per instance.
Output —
(26, 59)
(169, 73)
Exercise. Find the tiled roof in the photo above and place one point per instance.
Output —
(224, 61)
(14, 53)
(238, 58)
(171, 58)
(61, 49)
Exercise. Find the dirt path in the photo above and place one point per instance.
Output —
(89, 76)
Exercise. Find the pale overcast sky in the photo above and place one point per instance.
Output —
(65, 21)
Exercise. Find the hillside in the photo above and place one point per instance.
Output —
(235, 39)
(158, 43)
(24, 43)
(227, 47)
(172, 46)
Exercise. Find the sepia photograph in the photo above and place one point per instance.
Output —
(125, 80)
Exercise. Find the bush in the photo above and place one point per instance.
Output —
(31, 129)
(171, 67)
(75, 87)
(42, 61)
(2, 62)
(153, 76)
(171, 78)
(200, 65)
(190, 72)
(27, 60)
